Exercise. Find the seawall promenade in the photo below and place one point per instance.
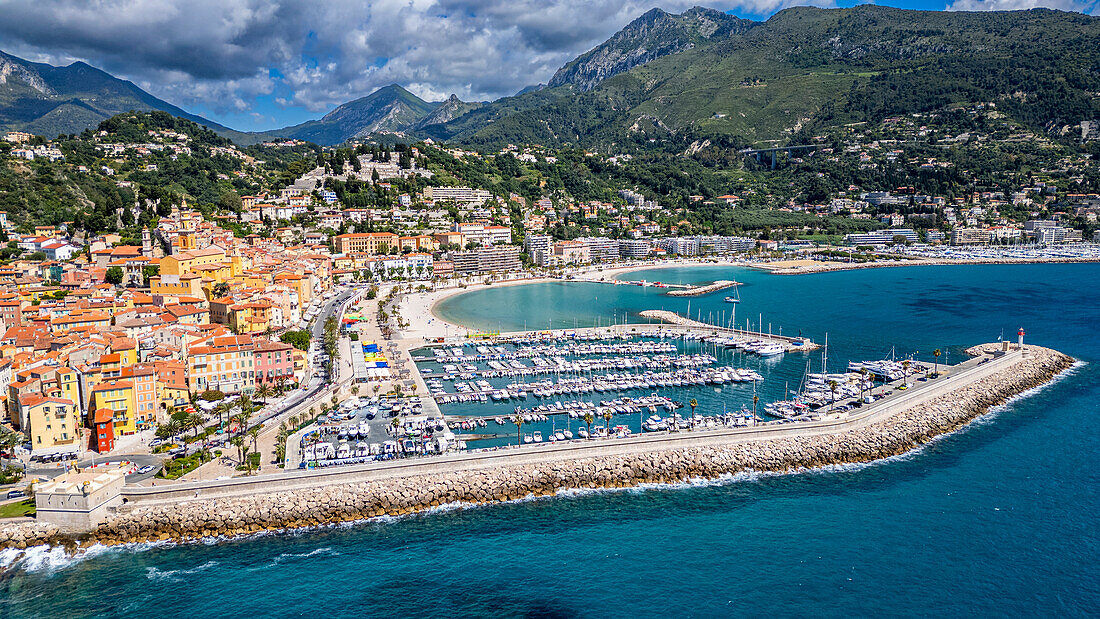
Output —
(296, 499)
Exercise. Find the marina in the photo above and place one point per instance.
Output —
(532, 387)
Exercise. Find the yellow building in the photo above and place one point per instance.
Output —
(188, 284)
(366, 242)
(185, 262)
(54, 423)
(68, 381)
(79, 319)
(250, 317)
(224, 363)
(147, 396)
(117, 395)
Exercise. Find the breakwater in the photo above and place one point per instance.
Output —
(915, 418)
(701, 290)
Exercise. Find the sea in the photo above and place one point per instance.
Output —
(999, 518)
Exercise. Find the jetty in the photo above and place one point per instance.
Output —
(789, 344)
(695, 291)
(190, 510)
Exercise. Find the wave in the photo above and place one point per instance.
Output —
(153, 573)
(47, 558)
(288, 556)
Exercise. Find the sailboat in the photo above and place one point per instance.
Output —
(736, 298)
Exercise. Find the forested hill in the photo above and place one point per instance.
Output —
(805, 68)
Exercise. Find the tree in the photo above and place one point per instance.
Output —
(149, 271)
(113, 275)
(905, 373)
(518, 420)
(607, 419)
(832, 388)
(693, 403)
(263, 391)
(936, 355)
(297, 339)
(588, 419)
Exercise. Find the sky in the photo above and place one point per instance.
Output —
(263, 64)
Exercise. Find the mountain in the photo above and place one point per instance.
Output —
(651, 36)
(802, 68)
(389, 109)
(450, 109)
(47, 100)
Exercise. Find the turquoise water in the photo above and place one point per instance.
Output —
(996, 519)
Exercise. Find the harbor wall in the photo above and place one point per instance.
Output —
(290, 500)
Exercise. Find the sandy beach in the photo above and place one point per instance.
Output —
(418, 309)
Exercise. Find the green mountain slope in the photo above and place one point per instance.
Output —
(806, 68)
(390, 109)
(653, 35)
(48, 100)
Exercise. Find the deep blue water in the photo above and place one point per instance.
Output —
(999, 518)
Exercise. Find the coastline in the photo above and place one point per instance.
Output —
(425, 321)
(421, 309)
(540, 472)
(807, 267)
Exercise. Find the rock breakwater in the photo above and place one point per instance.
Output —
(893, 435)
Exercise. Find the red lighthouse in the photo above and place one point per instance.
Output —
(1020, 338)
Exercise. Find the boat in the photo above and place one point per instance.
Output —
(537, 436)
(732, 300)
(527, 438)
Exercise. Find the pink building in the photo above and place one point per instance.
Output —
(274, 361)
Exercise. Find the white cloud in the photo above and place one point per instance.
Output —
(223, 54)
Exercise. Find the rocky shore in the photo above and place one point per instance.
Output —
(894, 435)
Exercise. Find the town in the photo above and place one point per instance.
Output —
(176, 330)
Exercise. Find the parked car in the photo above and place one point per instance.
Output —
(145, 469)
(15, 494)
(156, 442)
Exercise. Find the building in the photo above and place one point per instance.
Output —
(458, 195)
(537, 247)
(104, 428)
(969, 236)
(601, 249)
(54, 423)
(224, 363)
(370, 243)
(881, 237)
(274, 363)
(494, 259)
(118, 397)
(635, 248)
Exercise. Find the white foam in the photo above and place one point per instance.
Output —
(153, 573)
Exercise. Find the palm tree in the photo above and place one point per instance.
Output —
(755, 399)
(607, 418)
(905, 373)
(862, 380)
(693, 403)
(936, 355)
(518, 420)
(254, 435)
(263, 391)
(832, 387)
(588, 419)
(194, 421)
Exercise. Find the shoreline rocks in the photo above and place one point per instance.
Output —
(318, 506)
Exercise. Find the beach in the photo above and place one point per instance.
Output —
(418, 308)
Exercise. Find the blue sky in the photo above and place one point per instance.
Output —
(263, 64)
